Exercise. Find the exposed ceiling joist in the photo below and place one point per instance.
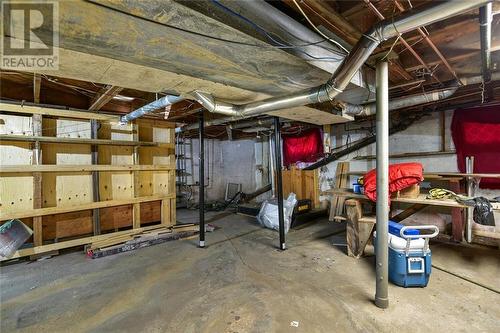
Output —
(105, 95)
(37, 83)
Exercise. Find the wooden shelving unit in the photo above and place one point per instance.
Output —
(73, 176)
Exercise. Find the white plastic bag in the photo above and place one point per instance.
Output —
(268, 214)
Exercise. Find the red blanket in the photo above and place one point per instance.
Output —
(304, 147)
(476, 132)
(401, 176)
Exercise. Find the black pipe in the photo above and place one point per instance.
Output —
(358, 145)
(201, 200)
(279, 182)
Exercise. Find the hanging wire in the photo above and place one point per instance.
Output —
(279, 40)
(319, 31)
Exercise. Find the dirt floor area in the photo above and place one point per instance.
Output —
(241, 283)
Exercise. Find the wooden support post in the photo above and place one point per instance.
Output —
(457, 218)
(358, 230)
(136, 208)
(136, 215)
(94, 128)
(173, 211)
(166, 216)
(37, 181)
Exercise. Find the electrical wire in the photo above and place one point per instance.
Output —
(319, 31)
(281, 44)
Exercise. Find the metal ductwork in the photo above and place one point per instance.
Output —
(383, 30)
(404, 102)
(360, 53)
(399, 103)
(485, 18)
(151, 107)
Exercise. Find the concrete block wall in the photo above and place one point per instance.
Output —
(239, 161)
(423, 136)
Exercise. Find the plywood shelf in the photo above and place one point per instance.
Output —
(439, 175)
(59, 140)
(420, 200)
(92, 205)
(104, 177)
(82, 168)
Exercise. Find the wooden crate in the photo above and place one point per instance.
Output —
(304, 183)
(48, 178)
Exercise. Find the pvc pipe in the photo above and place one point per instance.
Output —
(382, 146)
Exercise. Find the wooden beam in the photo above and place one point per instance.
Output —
(83, 168)
(15, 108)
(36, 120)
(103, 97)
(53, 139)
(407, 212)
(60, 210)
(328, 17)
(37, 82)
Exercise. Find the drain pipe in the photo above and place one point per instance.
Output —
(485, 14)
(383, 30)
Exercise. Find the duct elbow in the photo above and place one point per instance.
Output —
(212, 105)
(357, 110)
(205, 99)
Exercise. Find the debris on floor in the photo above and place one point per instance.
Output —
(129, 242)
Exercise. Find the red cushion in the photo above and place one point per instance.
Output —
(401, 176)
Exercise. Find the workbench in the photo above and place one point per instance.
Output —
(360, 227)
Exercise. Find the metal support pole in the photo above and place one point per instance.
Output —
(201, 200)
(469, 213)
(485, 18)
(382, 118)
(279, 181)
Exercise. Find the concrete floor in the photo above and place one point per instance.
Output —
(241, 283)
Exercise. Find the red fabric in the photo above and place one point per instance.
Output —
(476, 132)
(304, 147)
(401, 176)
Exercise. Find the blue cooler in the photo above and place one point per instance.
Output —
(410, 257)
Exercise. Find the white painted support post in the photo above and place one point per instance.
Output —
(382, 146)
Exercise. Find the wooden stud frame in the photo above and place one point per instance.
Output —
(46, 174)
